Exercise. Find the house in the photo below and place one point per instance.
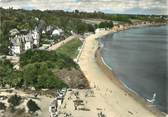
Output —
(49, 29)
(23, 40)
(57, 32)
(43, 32)
(16, 45)
(36, 37)
(14, 32)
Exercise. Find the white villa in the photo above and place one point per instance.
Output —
(57, 32)
(20, 42)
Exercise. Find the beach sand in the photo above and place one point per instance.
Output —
(108, 95)
(42, 101)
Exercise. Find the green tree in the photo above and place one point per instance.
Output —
(15, 100)
(40, 76)
(2, 106)
(6, 69)
(33, 107)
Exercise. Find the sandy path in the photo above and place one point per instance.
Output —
(116, 103)
(59, 44)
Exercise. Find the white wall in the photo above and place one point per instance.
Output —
(28, 45)
(36, 38)
(16, 50)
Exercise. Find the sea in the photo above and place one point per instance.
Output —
(139, 58)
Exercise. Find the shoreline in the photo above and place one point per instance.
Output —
(121, 85)
(108, 72)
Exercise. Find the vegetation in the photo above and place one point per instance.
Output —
(106, 24)
(39, 68)
(8, 75)
(68, 21)
(51, 58)
(70, 49)
(15, 100)
(22, 19)
(33, 107)
(40, 76)
(2, 106)
(5, 68)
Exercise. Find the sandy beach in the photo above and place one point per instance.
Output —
(112, 98)
(42, 101)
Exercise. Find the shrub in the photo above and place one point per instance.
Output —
(40, 76)
(11, 109)
(2, 106)
(33, 107)
(51, 58)
(15, 100)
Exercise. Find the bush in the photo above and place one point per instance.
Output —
(11, 108)
(15, 100)
(106, 24)
(2, 106)
(40, 76)
(33, 107)
(57, 59)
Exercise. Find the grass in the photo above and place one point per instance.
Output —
(70, 49)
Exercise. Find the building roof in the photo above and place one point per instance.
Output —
(24, 31)
(19, 39)
(16, 41)
(14, 32)
(57, 31)
(49, 28)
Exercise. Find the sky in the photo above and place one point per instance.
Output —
(159, 7)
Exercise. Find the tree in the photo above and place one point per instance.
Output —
(6, 69)
(76, 11)
(2, 106)
(110, 24)
(106, 24)
(16, 79)
(15, 100)
(58, 60)
(81, 27)
(33, 107)
(40, 76)
(91, 28)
